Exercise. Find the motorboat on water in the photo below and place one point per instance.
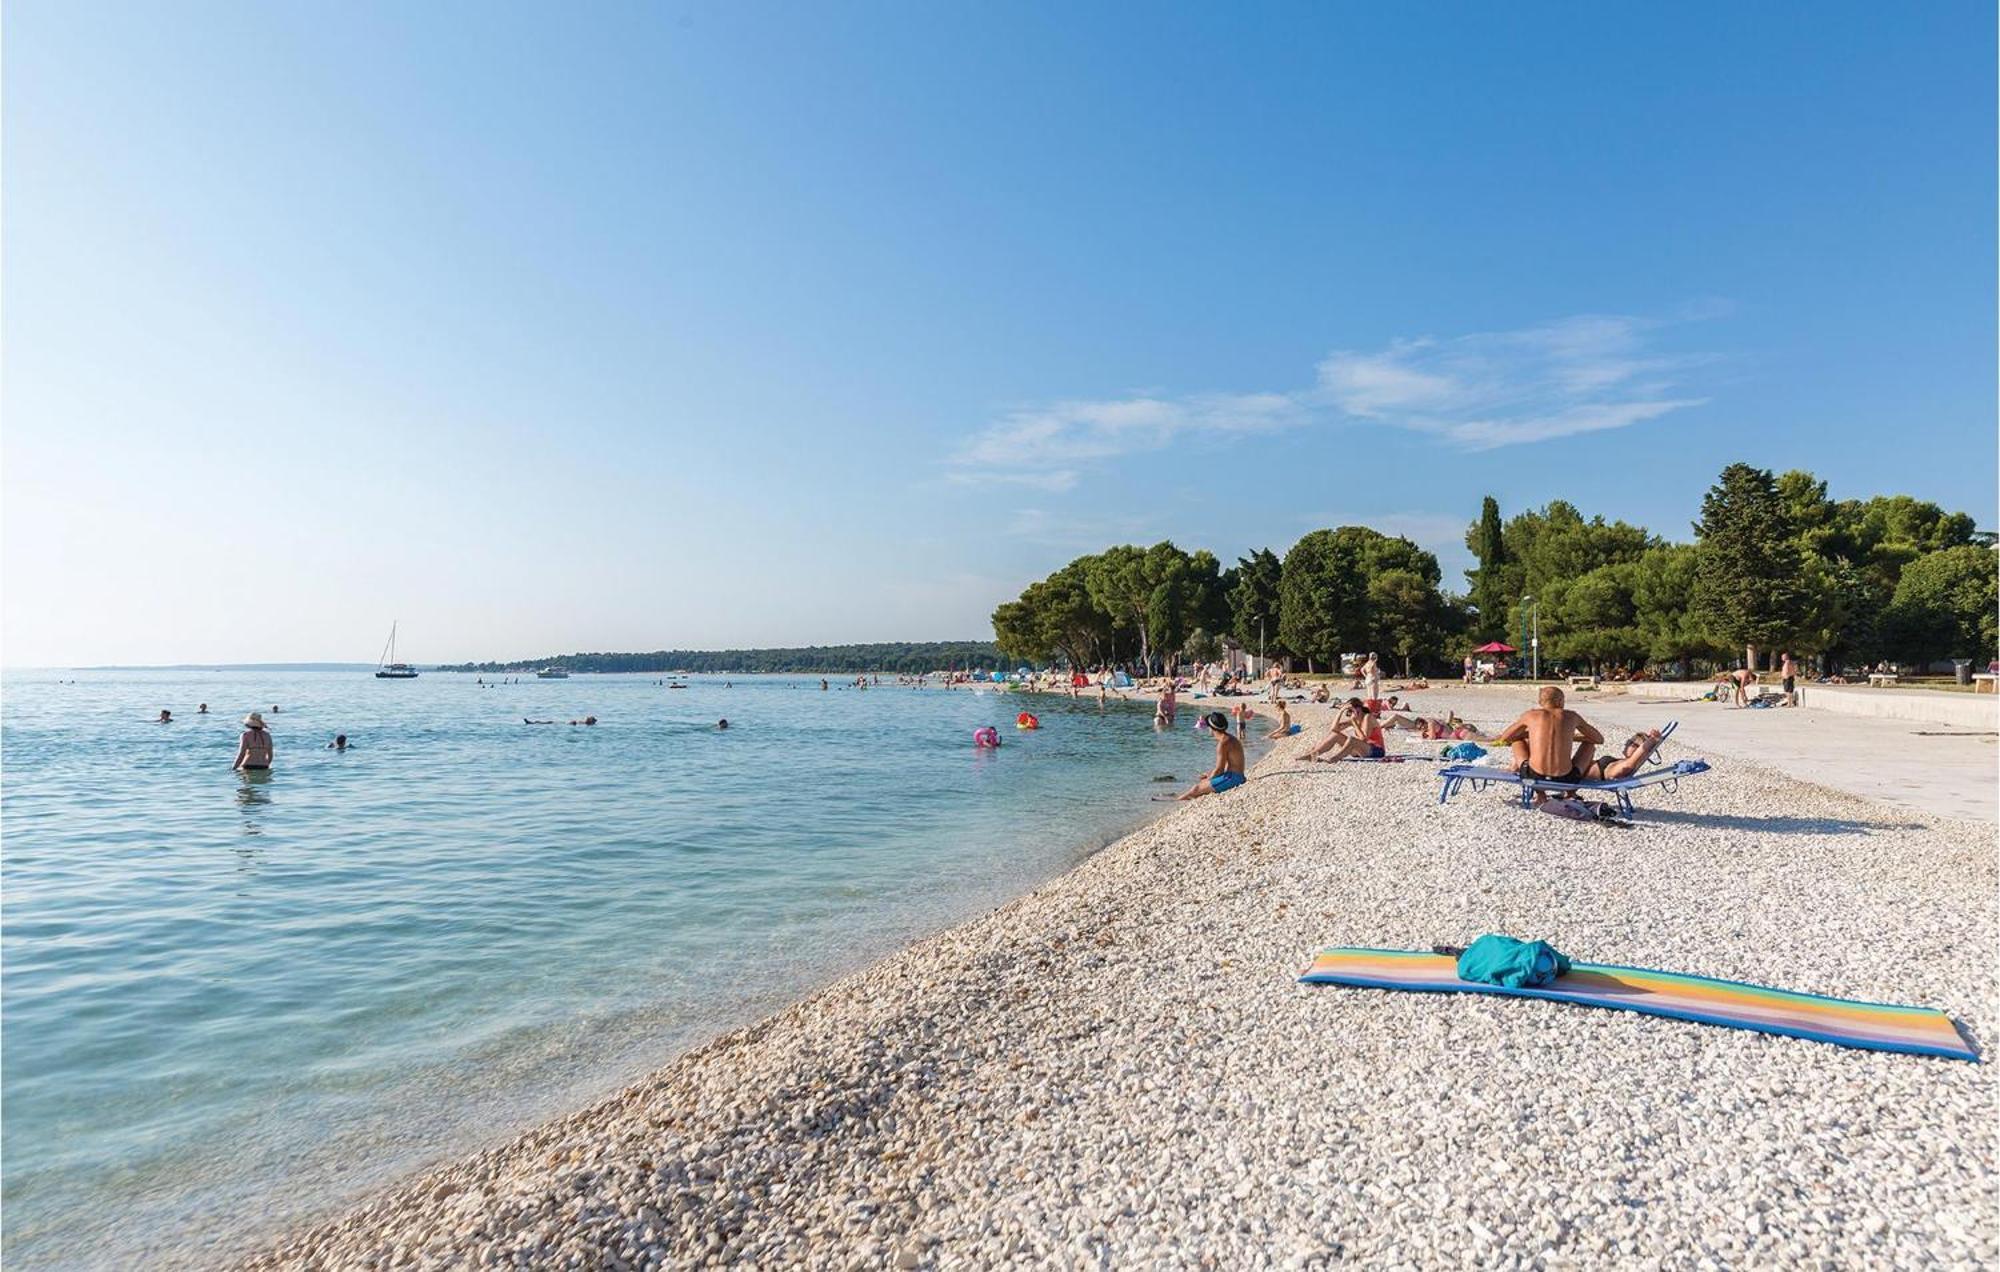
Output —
(552, 673)
(387, 668)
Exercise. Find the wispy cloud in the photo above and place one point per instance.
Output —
(1042, 446)
(1578, 375)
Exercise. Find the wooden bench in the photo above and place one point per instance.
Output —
(1583, 682)
(1883, 679)
(1985, 682)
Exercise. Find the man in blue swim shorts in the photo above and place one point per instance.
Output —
(1228, 772)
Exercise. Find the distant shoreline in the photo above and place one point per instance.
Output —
(277, 666)
(876, 658)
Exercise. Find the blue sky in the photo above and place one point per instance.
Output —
(622, 326)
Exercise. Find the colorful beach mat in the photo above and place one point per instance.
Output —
(1920, 1031)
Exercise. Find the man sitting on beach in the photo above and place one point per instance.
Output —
(1542, 740)
(1228, 772)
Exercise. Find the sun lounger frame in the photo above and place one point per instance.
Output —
(1479, 776)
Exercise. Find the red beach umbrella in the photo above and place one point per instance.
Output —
(1496, 647)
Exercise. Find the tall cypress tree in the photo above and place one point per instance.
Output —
(1489, 589)
(1749, 585)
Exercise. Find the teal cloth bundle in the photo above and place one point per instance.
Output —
(1512, 963)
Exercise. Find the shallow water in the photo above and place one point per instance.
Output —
(233, 1001)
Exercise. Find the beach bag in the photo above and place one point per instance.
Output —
(1568, 806)
(1511, 963)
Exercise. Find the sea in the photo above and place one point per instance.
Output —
(231, 1002)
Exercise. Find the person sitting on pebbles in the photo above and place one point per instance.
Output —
(1356, 735)
(1285, 725)
(1228, 772)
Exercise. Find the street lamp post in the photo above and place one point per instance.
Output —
(1535, 646)
(1526, 601)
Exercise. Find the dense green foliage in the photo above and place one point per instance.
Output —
(1125, 602)
(1944, 605)
(906, 658)
(1749, 570)
(1776, 564)
(1159, 604)
(1253, 603)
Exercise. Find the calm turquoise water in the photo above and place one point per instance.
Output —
(231, 1001)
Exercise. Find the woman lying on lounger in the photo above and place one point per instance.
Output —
(1638, 747)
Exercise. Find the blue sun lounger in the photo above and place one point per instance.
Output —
(1478, 776)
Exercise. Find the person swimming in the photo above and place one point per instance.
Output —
(339, 742)
(202, 709)
(166, 716)
(722, 724)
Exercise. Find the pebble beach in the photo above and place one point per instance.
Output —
(1120, 1068)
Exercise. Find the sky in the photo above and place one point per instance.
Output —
(632, 326)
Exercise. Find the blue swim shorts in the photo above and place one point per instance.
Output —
(1376, 752)
(1225, 782)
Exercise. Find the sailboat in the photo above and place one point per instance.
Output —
(388, 668)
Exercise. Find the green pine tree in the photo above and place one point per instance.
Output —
(1489, 585)
(1749, 583)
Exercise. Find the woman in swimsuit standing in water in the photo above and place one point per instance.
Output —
(253, 749)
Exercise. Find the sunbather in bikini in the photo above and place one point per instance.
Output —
(1607, 768)
(1355, 735)
(1451, 729)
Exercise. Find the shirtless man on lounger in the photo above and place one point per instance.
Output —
(1551, 742)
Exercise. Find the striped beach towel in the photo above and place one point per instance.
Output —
(1921, 1031)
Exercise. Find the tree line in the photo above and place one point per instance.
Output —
(896, 657)
(1775, 563)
